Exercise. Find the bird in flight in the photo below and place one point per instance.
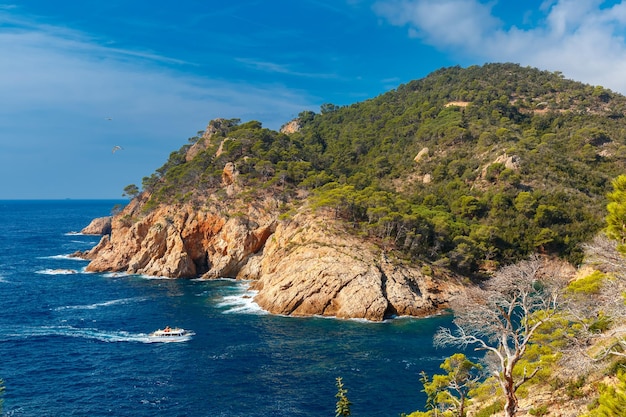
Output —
(116, 148)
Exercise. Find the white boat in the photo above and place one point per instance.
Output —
(169, 334)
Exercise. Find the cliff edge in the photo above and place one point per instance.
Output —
(305, 265)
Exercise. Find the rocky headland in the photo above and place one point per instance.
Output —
(304, 263)
(376, 209)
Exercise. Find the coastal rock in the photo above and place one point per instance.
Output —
(304, 266)
(98, 226)
(313, 270)
(292, 126)
(178, 242)
(421, 154)
(214, 127)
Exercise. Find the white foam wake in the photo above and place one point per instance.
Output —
(241, 303)
(85, 333)
(67, 257)
(57, 271)
(102, 304)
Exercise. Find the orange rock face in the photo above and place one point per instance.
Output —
(303, 266)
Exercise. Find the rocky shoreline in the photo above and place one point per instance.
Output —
(304, 266)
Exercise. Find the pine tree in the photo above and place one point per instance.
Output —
(343, 404)
(612, 401)
(616, 219)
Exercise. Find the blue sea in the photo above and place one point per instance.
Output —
(74, 343)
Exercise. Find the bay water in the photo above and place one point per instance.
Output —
(74, 343)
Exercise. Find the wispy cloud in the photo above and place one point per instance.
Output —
(273, 67)
(44, 65)
(59, 86)
(583, 39)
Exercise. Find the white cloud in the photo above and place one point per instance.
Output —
(582, 39)
(443, 23)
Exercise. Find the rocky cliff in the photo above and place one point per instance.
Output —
(310, 267)
(306, 265)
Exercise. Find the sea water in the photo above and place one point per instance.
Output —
(74, 343)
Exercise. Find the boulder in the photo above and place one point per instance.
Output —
(98, 226)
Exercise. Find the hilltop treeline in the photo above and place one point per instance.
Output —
(468, 168)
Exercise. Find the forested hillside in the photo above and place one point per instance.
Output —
(468, 168)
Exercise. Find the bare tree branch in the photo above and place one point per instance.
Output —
(500, 317)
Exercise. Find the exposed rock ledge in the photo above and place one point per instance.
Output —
(303, 266)
(99, 226)
(307, 268)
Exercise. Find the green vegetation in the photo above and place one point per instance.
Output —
(616, 219)
(448, 394)
(131, 191)
(590, 284)
(343, 404)
(512, 161)
(612, 399)
(540, 329)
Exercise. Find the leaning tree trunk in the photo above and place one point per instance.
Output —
(510, 406)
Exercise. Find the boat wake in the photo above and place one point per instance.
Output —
(85, 333)
(94, 306)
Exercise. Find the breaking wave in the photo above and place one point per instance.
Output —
(241, 302)
(57, 271)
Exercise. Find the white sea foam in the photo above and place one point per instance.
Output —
(149, 277)
(103, 304)
(67, 257)
(116, 274)
(58, 271)
(241, 303)
(84, 242)
(218, 279)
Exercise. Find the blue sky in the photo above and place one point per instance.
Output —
(79, 77)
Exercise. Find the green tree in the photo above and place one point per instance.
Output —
(328, 108)
(450, 391)
(612, 401)
(343, 404)
(616, 218)
(131, 191)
